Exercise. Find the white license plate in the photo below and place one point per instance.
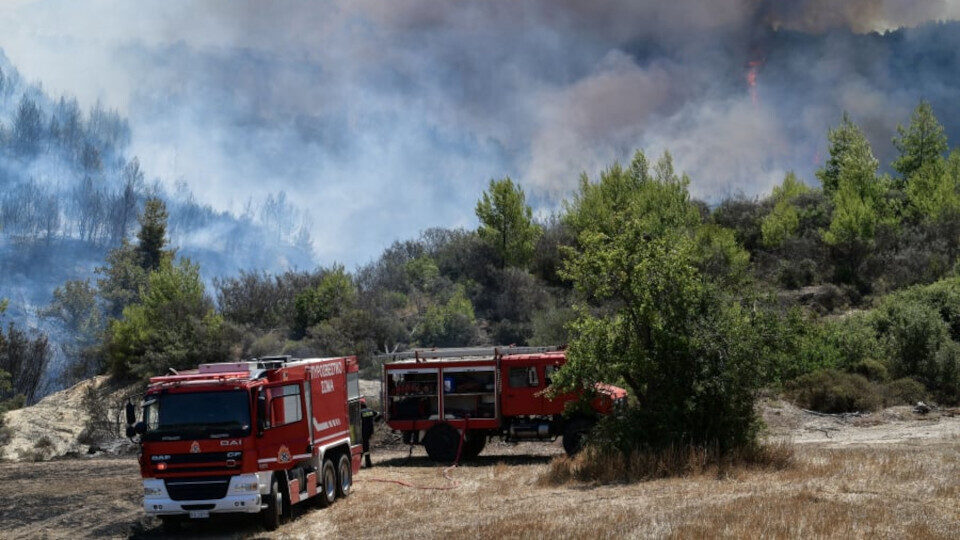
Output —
(199, 514)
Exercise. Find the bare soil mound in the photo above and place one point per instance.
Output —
(85, 418)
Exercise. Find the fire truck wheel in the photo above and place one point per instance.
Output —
(328, 484)
(473, 444)
(171, 524)
(274, 511)
(575, 433)
(442, 442)
(344, 476)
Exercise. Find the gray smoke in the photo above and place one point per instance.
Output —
(383, 118)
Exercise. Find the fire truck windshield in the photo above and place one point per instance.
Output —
(171, 416)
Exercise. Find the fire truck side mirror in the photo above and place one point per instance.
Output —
(261, 412)
(131, 414)
(136, 429)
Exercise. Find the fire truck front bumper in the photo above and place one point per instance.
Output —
(242, 496)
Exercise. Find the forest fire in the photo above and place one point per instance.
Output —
(753, 67)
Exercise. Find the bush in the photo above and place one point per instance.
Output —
(872, 369)
(550, 326)
(335, 294)
(268, 344)
(794, 274)
(448, 325)
(916, 333)
(98, 426)
(832, 391)
(606, 467)
(945, 373)
(825, 299)
(904, 391)
(807, 345)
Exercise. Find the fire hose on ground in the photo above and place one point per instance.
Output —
(453, 483)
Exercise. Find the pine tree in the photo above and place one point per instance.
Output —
(784, 220)
(152, 235)
(922, 143)
(859, 199)
(27, 127)
(841, 138)
(506, 222)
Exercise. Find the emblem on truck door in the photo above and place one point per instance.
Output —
(283, 455)
(195, 447)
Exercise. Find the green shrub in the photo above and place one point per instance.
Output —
(916, 333)
(832, 391)
(905, 391)
(550, 326)
(921, 326)
(801, 344)
(448, 325)
(943, 376)
(943, 297)
(794, 274)
(872, 369)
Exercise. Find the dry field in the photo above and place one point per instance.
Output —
(891, 475)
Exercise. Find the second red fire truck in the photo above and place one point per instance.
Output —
(249, 437)
(453, 400)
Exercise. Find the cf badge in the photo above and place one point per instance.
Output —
(195, 447)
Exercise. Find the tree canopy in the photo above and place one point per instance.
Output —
(652, 319)
(506, 222)
(921, 143)
(152, 236)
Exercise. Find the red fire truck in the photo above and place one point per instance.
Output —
(439, 396)
(251, 437)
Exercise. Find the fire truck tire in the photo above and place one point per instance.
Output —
(473, 444)
(328, 484)
(171, 524)
(441, 442)
(273, 513)
(344, 476)
(575, 434)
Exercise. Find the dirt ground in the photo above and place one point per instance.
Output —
(893, 474)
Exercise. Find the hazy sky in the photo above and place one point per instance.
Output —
(384, 118)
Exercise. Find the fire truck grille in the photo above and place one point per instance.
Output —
(207, 462)
(197, 488)
(206, 457)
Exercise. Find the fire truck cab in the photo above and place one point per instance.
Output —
(453, 400)
(248, 437)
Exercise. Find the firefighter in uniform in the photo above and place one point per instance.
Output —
(367, 416)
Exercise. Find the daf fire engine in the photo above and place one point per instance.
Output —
(250, 437)
(453, 400)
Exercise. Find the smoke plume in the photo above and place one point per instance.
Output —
(383, 118)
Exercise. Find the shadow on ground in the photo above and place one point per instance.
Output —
(480, 461)
(226, 526)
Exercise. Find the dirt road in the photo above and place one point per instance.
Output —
(890, 475)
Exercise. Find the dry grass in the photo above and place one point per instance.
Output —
(608, 467)
(889, 492)
(898, 480)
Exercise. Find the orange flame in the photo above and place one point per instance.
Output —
(753, 67)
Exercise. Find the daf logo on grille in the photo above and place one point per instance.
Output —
(195, 447)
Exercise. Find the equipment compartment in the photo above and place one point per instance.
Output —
(412, 394)
(469, 392)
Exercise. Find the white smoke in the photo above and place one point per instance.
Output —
(383, 118)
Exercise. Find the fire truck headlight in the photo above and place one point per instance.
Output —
(246, 484)
(152, 488)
